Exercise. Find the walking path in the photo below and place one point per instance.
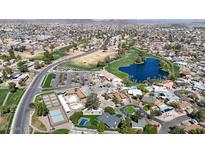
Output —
(5, 100)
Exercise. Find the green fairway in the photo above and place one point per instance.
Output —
(82, 67)
(47, 81)
(130, 58)
(15, 97)
(56, 54)
(125, 60)
(12, 103)
(61, 52)
(130, 110)
(3, 93)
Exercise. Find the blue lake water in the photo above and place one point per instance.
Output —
(150, 69)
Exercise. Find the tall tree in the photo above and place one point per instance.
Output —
(176, 130)
(12, 54)
(12, 87)
(92, 101)
(149, 129)
(22, 66)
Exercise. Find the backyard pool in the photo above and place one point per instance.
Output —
(83, 122)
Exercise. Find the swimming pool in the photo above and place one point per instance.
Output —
(83, 121)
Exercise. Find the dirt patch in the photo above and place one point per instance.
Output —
(38, 124)
(94, 58)
(3, 122)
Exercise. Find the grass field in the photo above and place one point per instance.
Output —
(15, 97)
(125, 60)
(130, 110)
(3, 93)
(130, 58)
(47, 81)
(12, 101)
(61, 52)
(82, 67)
(56, 54)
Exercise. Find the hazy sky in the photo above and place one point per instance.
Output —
(103, 9)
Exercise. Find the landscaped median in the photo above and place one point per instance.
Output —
(46, 83)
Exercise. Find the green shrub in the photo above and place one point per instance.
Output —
(109, 110)
(149, 129)
(75, 117)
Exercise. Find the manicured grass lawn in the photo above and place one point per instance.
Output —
(130, 110)
(38, 124)
(15, 97)
(3, 93)
(92, 118)
(47, 81)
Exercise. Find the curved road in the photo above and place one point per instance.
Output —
(21, 116)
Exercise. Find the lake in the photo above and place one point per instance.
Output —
(150, 69)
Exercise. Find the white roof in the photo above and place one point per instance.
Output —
(72, 99)
(199, 85)
(134, 91)
(181, 63)
(64, 102)
(76, 106)
(164, 107)
(159, 88)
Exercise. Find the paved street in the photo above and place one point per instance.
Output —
(19, 123)
(165, 125)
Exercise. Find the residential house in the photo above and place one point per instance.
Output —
(112, 121)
